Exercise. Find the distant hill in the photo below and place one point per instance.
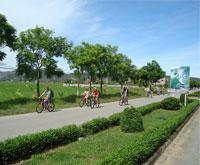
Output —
(11, 76)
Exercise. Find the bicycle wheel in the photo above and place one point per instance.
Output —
(81, 103)
(89, 102)
(97, 105)
(120, 102)
(39, 108)
(51, 107)
(126, 103)
(92, 104)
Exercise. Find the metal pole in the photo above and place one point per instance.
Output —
(185, 99)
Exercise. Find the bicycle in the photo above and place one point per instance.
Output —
(83, 101)
(94, 102)
(50, 106)
(123, 100)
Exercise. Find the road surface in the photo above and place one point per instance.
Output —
(185, 148)
(15, 125)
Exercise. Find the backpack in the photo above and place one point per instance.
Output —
(52, 95)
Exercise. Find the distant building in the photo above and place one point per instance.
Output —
(163, 81)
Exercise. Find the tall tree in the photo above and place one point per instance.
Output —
(155, 71)
(120, 68)
(7, 36)
(37, 49)
(104, 59)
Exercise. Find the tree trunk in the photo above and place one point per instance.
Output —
(90, 86)
(121, 85)
(38, 82)
(101, 87)
(78, 87)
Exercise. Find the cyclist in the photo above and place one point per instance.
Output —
(124, 92)
(87, 95)
(48, 96)
(95, 93)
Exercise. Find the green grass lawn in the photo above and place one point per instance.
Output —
(94, 148)
(195, 94)
(18, 98)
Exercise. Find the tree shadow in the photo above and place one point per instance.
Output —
(70, 98)
(18, 101)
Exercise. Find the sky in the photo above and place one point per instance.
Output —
(167, 31)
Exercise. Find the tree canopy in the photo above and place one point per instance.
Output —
(37, 49)
(7, 36)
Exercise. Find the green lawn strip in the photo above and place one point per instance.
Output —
(195, 94)
(94, 148)
(11, 103)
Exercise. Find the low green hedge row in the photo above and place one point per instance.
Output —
(24, 146)
(139, 150)
(149, 108)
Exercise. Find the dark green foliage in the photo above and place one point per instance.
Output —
(7, 35)
(115, 119)
(149, 108)
(24, 146)
(95, 125)
(131, 120)
(139, 150)
(195, 94)
(171, 103)
(182, 99)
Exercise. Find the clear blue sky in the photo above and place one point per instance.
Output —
(167, 31)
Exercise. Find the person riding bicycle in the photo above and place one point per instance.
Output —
(48, 95)
(95, 93)
(124, 92)
(86, 95)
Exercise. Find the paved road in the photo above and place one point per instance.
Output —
(185, 148)
(12, 126)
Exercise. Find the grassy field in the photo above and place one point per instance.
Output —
(94, 148)
(18, 98)
(195, 94)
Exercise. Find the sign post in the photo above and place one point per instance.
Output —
(180, 80)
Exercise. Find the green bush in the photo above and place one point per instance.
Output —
(95, 125)
(115, 119)
(143, 146)
(148, 108)
(171, 103)
(131, 120)
(24, 146)
(182, 99)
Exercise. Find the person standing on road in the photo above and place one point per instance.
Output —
(146, 92)
(151, 90)
(158, 90)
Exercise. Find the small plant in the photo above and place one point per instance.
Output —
(61, 94)
(171, 103)
(182, 99)
(131, 120)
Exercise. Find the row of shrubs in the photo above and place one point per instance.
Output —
(23, 147)
(139, 150)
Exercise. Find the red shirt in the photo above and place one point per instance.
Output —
(96, 92)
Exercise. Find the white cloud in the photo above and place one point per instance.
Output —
(68, 18)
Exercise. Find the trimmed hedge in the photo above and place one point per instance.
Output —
(131, 120)
(171, 103)
(149, 108)
(95, 125)
(24, 146)
(139, 150)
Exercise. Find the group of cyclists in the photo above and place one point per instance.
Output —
(95, 95)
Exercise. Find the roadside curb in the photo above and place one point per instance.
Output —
(162, 148)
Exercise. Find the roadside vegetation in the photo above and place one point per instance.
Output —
(18, 98)
(92, 149)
